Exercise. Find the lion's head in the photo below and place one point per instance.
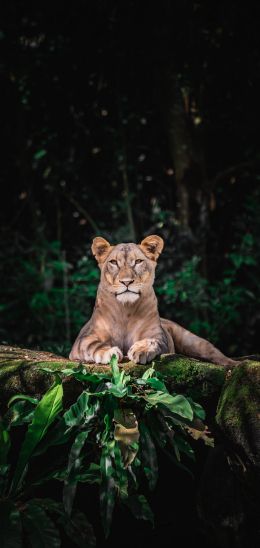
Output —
(127, 270)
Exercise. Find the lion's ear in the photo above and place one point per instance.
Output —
(100, 249)
(152, 246)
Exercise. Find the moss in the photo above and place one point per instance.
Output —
(238, 409)
(239, 392)
(198, 379)
(10, 367)
(20, 371)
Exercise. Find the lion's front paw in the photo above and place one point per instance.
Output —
(104, 355)
(143, 351)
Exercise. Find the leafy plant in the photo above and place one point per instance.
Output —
(108, 437)
(28, 518)
(121, 420)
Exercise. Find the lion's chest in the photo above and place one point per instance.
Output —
(127, 332)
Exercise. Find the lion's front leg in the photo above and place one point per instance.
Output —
(91, 349)
(144, 351)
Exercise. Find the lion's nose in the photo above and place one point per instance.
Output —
(126, 281)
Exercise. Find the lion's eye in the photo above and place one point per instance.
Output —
(139, 261)
(113, 262)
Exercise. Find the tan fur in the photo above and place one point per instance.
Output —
(125, 320)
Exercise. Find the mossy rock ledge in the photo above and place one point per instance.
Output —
(238, 411)
(234, 393)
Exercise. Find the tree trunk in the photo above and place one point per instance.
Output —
(185, 130)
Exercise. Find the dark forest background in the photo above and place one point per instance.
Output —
(123, 119)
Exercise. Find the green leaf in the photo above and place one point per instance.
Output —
(23, 397)
(39, 527)
(4, 444)
(10, 529)
(148, 373)
(20, 413)
(79, 414)
(183, 446)
(69, 489)
(116, 376)
(156, 384)
(120, 472)
(107, 491)
(197, 409)
(148, 455)
(75, 415)
(44, 415)
(155, 428)
(140, 507)
(116, 390)
(96, 378)
(39, 154)
(177, 404)
(58, 435)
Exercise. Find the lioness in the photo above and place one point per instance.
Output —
(125, 320)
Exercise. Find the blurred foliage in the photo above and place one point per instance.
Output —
(101, 99)
(45, 296)
(224, 305)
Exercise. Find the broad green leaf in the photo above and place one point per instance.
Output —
(155, 428)
(79, 530)
(183, 446)
(20, 413)
(140, 507)
(148, 373)
(69, 489)
(197, 409)
(81, 374)
(4, 444)
(120, 473)
(108, 428)
(119, 391)
(148, 455)
(10, 526)
(76, 413)
(118, 377)
(176, 449)
(35, 401)
(40, 529)
(176, 462)
(45, 413)
(159, 436)
(58, 435)
(107, 491)
(96, 378)
(115, 369)
(156, 384)
(177, 404)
